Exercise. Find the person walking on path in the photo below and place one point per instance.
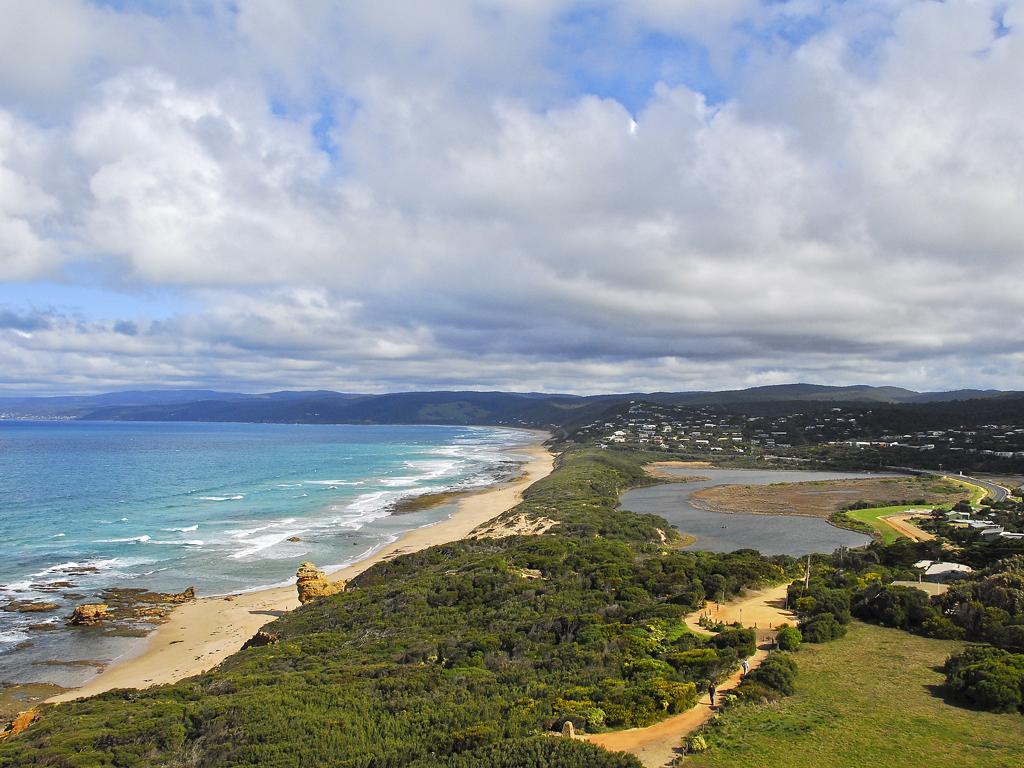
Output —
(711, 692)
(746, 667)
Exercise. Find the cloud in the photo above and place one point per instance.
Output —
(364, 198)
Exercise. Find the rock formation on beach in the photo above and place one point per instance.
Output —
(312, 583)
(20, 723)
(260, 639)
(179, 597)
(89, 613)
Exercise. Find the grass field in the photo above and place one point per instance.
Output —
(977, 492)
(866, 700)
(871, 517)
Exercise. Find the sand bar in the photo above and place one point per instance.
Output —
(199, 635)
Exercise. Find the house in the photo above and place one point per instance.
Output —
(941, 571)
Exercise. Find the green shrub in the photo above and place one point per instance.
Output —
(988, 677)
(537, 752)
(788, 638)
(777, 672)
(744, 641)
(695, 744)
(941, 628)
(902, 607)
(821, 628)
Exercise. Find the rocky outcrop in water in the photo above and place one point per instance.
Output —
(312, 583)
(29, 606)
(89, 613)
(260, 639)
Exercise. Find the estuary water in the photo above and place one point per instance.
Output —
(718, 532)
(223, 507)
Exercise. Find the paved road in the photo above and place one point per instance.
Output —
(997, 492)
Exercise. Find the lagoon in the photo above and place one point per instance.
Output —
(720, 532)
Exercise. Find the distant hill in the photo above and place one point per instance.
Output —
(74, 405)
(468, 407)
(443, 407)
(818, 393)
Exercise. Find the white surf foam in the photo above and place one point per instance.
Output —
(12, 636)
(139, 539)
(234, 497)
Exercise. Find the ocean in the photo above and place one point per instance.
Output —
(164, 506)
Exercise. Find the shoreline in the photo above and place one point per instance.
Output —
(199, 635)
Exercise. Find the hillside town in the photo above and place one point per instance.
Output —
(715, 430)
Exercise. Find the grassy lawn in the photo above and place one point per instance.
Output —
(871, 517)
(862, 701)
(977, 492)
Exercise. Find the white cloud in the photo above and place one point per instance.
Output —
(850, 212)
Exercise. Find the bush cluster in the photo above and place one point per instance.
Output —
(987, 677)
(824, 610)
(788, 638)
(776, 674)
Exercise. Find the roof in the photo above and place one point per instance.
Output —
(938, 569)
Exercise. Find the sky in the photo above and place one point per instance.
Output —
(530, 195)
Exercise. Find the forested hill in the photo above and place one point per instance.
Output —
(400, 408)
(451, 407)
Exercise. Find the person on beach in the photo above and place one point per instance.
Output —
(746, 667)
(711, 692)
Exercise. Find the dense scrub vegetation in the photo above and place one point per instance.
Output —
(988, 606)
(988, 677)
(774, 678)
(459, 655)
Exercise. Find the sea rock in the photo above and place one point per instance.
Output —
(20, 723)
(312, 583)
(180, 597)
(260, 639)
(29, 606)
(294, 538)
(80, 570)
(51, 586)
(45, 626)
(89, 613)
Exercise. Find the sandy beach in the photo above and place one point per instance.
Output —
(199, 635)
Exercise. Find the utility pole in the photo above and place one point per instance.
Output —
(807, 574)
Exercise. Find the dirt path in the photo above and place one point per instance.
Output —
(657, 745)
(764, 609)
(902, 524)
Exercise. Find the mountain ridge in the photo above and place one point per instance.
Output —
(437, 406)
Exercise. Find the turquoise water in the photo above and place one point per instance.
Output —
(164, 506)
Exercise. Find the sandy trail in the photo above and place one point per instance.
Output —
(902, 524)
(200, 635)
(658, 744)
(762, 609)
